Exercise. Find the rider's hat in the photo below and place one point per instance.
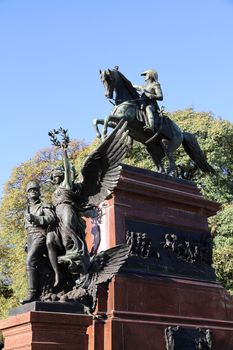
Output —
(33, 184)
(150, 73)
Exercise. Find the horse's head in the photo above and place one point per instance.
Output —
(107, 78)
(115, 81)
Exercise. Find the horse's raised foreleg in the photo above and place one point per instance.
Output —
(111, 121)
(105, 127)
(97, 122)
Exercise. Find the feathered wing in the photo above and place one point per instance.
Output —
(101, 170)
(194, 151)
(105, 265)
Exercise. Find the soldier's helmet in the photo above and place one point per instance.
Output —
(150, 74)
(33, 184)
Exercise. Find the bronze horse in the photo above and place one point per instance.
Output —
(127, 108)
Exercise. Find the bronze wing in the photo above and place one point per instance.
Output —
(107, 263)
(104, 267)
(101, 170)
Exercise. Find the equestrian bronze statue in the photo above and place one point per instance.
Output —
(146, 123)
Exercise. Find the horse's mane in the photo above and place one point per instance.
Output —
(133, 92)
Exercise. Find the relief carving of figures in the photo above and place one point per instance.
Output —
(204, 339)
(188, 338)
(139, 244)
(190, 252)
(169, 337)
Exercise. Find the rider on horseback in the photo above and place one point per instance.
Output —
(151, 93)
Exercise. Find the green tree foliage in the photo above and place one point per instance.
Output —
(222, 229)
(6, 291)
(215, 137)
(223, 261)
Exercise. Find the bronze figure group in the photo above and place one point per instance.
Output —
(59, 266)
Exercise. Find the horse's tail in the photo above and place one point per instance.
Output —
(192, 148)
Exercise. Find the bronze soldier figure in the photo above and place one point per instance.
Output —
(37, 219)
(151, 93)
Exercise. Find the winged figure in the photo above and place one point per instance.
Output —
(72, 200)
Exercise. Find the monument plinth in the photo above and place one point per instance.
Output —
(167, 296)
(41, 330)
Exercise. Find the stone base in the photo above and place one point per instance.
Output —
(38, 330)
(67, 308)
(140, 309)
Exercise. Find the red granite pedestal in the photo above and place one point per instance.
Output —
(40, 330)
(166, 288)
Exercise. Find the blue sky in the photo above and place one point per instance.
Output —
(51, 52)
